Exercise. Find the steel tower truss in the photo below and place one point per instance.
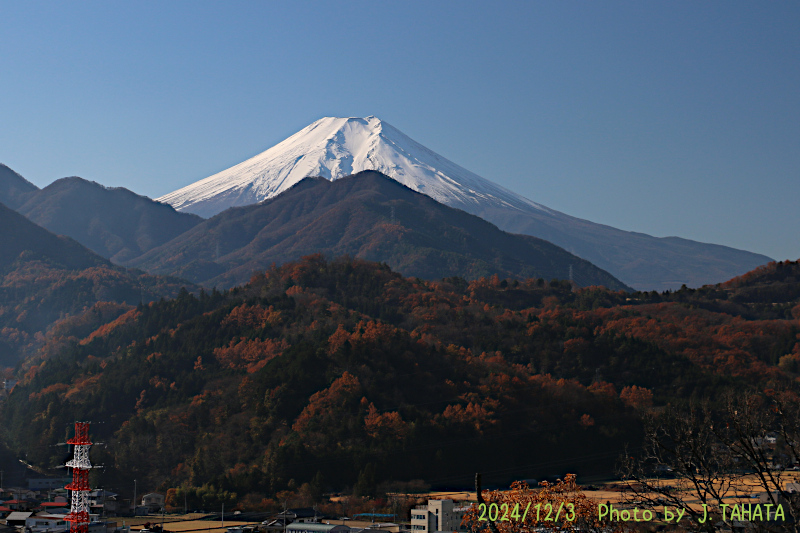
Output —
(80, 465)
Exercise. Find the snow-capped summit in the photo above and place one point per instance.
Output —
(335, 147)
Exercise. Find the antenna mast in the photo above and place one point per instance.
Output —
(79, 511)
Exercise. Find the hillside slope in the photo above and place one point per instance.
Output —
(334, 147)
(332, 368)
(14, 189)
(45, 278)
(369, 216)
(113, 222)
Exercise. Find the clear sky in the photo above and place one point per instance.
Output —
(668, 118)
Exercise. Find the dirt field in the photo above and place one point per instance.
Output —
(744, 492)
(182, 523)
(204, 525)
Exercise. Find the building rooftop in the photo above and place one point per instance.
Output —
(322, 528)
(19, 515)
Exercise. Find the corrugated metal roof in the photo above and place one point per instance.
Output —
(19, 515)
(317, 528)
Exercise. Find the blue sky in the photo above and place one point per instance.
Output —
(673, 118)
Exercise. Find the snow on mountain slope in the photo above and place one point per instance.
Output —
(337, 147)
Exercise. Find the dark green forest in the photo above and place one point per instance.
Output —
(341, 372)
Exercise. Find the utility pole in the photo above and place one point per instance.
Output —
(134, 498)
(478, 493)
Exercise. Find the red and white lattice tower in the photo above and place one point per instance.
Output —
(79, 511)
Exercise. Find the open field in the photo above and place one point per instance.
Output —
(205, 525)
(210, 526)
(180, 523)
(745, 490)
(156, 519)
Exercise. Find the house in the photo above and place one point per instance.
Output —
(303, 515)
(275, 525)
(20, 493)
(18, 518)
(153, 501)
(48, 483)
(300, 514)
(52, 523)
(103, 501)
(55, 507)
(19, 505)
(438, 515)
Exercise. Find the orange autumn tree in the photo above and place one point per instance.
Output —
(559, 506)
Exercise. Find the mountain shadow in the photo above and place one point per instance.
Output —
(47, 278)
(14, 189)
(369, 216)
(112, 222)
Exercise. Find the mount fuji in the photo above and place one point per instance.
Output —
(336, 147)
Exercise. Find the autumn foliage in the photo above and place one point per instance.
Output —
(346, 371)
(558, 506)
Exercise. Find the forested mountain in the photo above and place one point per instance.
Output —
(774, 283)
(366, 215)
(342, 370)
(14, 189)
(335, 147)
(45, 278)
(19, 235)
(113, 222)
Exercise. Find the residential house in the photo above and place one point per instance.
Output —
(103, 501)
(154, 502)
(55, 507)
(17, 518)
(19, 505)
(48, 483)
(50, 523)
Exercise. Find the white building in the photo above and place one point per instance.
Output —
(53, 523)
(438, 516)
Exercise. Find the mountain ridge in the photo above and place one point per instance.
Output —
(370, 216)
(325, 366)
(47, 278)
(14, 189)
(354, 144)
(113, 222)
(333, 147)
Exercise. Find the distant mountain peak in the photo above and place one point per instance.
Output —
(14, 189)
(114, 222)
(334, 147)
(366, 215)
